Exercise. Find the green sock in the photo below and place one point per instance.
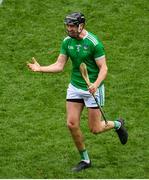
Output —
(117, 125)
(84, 156)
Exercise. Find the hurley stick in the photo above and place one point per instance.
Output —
(83, 70)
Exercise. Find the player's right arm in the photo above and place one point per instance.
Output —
(58, 66)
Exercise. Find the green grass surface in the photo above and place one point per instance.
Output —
(34, 140)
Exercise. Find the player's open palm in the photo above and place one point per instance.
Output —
(34, 66)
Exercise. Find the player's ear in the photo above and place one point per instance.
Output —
(80, 28)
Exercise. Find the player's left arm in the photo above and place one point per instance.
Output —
(101, 63)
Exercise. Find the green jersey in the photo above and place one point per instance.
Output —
(87, 50)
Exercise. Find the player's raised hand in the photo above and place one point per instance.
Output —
(34, 66)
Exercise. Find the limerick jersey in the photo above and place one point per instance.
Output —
(87, 50)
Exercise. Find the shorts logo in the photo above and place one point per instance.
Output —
(93, 103)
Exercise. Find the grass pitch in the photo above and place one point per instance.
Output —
(34, 140)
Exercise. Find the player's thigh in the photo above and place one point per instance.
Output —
(74, 110)
(94, 119)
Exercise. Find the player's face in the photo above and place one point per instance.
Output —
(72, 30)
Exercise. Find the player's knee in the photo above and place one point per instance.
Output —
(71, 125)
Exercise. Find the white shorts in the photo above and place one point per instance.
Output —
(74, 93)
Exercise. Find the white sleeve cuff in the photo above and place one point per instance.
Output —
(98, 58)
